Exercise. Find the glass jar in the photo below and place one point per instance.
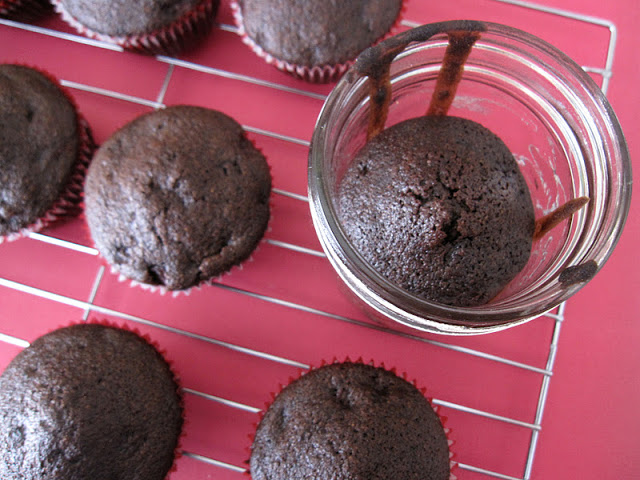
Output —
(559, 127)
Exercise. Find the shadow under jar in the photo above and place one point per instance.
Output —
(553, 118)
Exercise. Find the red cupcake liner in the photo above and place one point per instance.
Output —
(69, 201)
(175, 377)
(453, 464)
(24, 10)
(161, 289)
(180, 35)
(315, 74)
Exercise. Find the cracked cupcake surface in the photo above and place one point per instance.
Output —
(177, 196)
(438, 206)
(350, 421)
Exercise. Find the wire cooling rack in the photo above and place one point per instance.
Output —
(236, 341)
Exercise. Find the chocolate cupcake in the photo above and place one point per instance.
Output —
(88, 401)
(177, 196)
(145, 26)
(438, 206)
(314, 39)
(350, 421)
(44, 150)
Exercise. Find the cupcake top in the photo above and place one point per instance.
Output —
(177, 196)
(317, 32)
(438, 206)
(39, 143)
(88, 401)
(127, 17)
(350, 421)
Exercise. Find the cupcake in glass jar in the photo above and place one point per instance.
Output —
(448, 189)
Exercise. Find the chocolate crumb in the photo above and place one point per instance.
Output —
(578, 273)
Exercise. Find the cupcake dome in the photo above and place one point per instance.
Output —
(88, 401)
(39, 145)
(177, 196)
(119, 18)
(309, 33)
(350, 421)
(438, 206)
(148, 26)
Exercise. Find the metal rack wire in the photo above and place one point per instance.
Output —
(88, 305)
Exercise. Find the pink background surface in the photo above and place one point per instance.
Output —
(591, 421)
